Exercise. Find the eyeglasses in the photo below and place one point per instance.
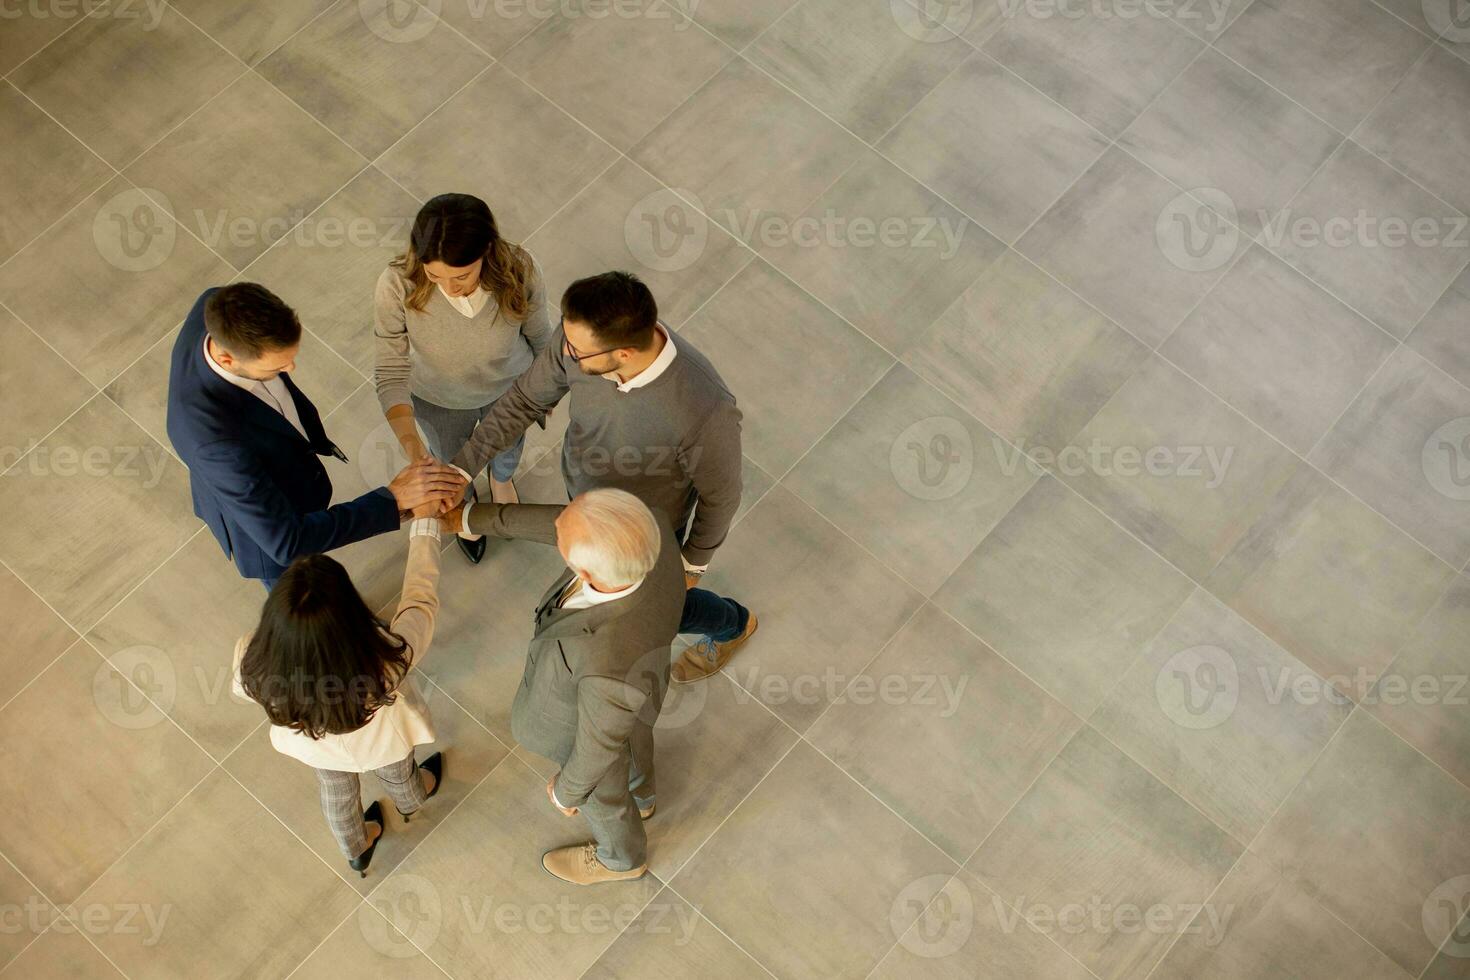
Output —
(577, 355)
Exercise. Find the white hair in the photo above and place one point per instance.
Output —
(619, 541)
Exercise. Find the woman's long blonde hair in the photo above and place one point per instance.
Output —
(457, 229)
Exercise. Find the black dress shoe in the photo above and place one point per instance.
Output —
(373, 814)
(435, 765)
(473, 550)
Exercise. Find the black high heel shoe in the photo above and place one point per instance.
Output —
(373, 814)
(435, 765)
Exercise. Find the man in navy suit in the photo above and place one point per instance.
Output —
(251, 440)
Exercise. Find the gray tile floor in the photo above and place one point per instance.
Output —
(1104, 368)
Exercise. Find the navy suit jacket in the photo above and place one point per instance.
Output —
(256, 482)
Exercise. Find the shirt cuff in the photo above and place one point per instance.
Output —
(694, 569)
(464, 520)
(468, 479)
(553, 796)
(424, 527)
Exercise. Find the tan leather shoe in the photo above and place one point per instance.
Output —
(578, 864)
(645, 814)
(707, 657)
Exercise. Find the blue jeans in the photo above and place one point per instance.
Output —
(446, 430)
(711, 615)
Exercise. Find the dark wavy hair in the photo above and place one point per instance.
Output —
(457, 229)
(320, 662)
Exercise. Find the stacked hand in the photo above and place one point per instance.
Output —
(452, 521)
(427, 487)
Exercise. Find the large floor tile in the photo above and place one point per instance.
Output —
(1105, 239)
(1330, 580)
(36, 635)
(826, 607)
(493, 27)
(771, 374)
(1025, 356)
(252, 29)
(1096, 830)
(744, 148)
(38, 389)
(59, 954)
(120, 83)
(1441, 336)
(1258, 925)
(911, 478)
(475, 897)
(1336, 57)
(713, 743)
(1376, 241)
(367, 945)
(619, 74)
(1279, 349)
(806, 873)
(1220, 127)
(736, 22)
(28, 34)
(1423, 695)
(289, 789)
(50, 171)
(1407, 130)
(868, 72)
(670, 940)
(1172, 464)
(118, 251)
(890, 256)
(1064, 594)
(626, 220)
(176, 637)
(1401, 448)
(993, 146)
(232, 174)
(1104, 68)
(1211, 709)
(449, 152)
(346, 73)
(944, 732)
(328, 267)
(1364, 835)
(113, 765)
(968, 932)
(244, 896)
(118, 485)
(29, 914)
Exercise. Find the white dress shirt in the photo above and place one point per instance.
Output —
(273, 392)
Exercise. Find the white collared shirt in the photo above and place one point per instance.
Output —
(470, 305)
(273, 392)
(649, 374)
(585, 596)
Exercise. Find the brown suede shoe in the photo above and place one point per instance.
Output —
(707, 657)
(578, 864)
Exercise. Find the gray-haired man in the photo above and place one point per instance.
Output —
(598, 666)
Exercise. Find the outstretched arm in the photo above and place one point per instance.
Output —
(532, 395)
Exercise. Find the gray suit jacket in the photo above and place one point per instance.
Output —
(591, 674)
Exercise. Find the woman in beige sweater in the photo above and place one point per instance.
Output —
(334, 681)
(458, 317)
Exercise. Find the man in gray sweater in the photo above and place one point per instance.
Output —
(646, 415)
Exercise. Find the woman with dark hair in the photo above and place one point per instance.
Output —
(333, 679)
(459, 316)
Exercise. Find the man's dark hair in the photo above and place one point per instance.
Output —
(616, 306)
(249, 320)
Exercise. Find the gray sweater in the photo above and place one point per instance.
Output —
(672, 443)
(446, 358)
